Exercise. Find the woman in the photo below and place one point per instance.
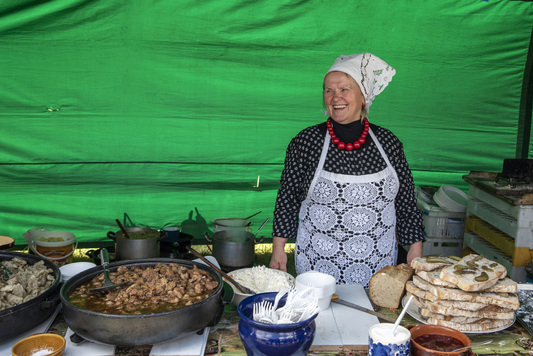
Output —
(347, 193)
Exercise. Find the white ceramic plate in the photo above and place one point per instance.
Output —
(414, 311)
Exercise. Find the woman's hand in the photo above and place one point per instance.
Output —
(279, 257)
(415, 250)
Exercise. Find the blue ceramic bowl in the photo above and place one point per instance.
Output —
(267, 339)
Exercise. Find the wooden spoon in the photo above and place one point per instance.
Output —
(124, 232)
(239, 286)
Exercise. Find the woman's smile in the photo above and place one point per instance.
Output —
(343, 97)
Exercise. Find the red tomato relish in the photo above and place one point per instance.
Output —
(438, 342)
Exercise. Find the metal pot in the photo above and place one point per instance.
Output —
(23, 317)
(232, 249)
(233, 224)
(148, 329)
(132, 249)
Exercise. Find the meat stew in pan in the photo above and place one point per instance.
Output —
(153, 289)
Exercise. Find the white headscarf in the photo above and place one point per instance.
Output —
(370, 72)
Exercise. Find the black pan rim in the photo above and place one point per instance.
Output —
(41, 297)
(86, 275)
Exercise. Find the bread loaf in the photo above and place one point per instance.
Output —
(433, 277)
(421, 300)
(446, 292)
(418, 302)
(414, 290)
(387, 286)
(505, 285)
(455, 319)
(504, 300)
(473, 273)
(489, 311)
(479, 326)
(432, 263)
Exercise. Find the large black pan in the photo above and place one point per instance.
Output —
(23, 317)
(148, 329)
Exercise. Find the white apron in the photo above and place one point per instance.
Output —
(347, 223)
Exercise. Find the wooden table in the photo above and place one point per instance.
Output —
(224, 339)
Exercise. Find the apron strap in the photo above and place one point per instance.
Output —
(324, 153)
(320, 164)
(384, 155)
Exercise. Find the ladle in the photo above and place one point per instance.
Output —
(260, 227)
(108, 285)
(473, 345)
(124, 232)
(239, 286)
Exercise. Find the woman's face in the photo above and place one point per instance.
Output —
(342, 97)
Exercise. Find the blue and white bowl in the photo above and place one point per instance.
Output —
(261, 339)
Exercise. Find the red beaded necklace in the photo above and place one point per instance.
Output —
(349, 146)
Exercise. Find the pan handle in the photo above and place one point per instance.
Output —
(76, 339)
(50, 303)
(92, 253)
(111, 235)
(258, 239)
(208, 237)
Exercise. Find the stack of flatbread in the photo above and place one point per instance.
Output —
(470, 294)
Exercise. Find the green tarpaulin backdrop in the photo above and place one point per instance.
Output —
(153, 108)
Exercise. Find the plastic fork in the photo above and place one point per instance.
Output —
(309, 312)
(260, 312)
(272, 312)
(285, 316)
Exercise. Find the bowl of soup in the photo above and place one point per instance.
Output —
(436, 340)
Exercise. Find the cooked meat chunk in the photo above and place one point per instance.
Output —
(155, 288)
(26, 282)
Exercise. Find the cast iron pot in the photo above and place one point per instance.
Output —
(131, 249)
(23, 317)
(233, 249)
(177, 249)
(147, 329)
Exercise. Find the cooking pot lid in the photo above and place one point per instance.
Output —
(230, 222)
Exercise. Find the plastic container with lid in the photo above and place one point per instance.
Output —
(56, 246)
(323, 286)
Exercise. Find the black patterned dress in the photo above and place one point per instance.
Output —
(347, 217)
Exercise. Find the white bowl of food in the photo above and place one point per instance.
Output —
(260, 279)
(323, 286)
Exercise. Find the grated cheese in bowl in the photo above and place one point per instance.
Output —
(260, 279)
